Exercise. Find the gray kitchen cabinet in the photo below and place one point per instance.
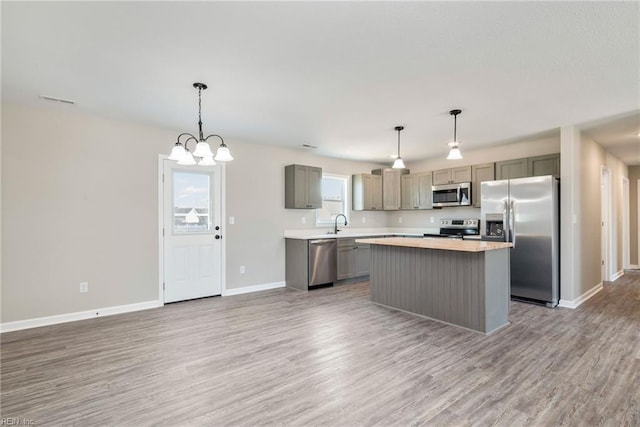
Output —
(480, 173)
(544, 165)
(391, 187)
(416, 191)
(509, 169)
(353, 259)
(302, 187)
(452, 175)
(366, 192)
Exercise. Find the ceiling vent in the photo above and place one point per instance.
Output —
(54, 99)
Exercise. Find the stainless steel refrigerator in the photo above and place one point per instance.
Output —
(525, 211)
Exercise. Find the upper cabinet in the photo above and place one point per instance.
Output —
(416, 191)
(548, 164)
(508, 169)
(391, 187)
(302, 187)
(452, 175)
(367, 192)
(544, 165)
(480, 173)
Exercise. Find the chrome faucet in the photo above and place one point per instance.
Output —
(335, 224)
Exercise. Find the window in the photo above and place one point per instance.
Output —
(334, 198)
(191, 202)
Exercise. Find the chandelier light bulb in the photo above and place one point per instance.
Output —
(187, 159)
(203, 150)
(207, 161)
(223, 154)
(177, 152)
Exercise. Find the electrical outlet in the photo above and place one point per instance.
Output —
(242, 269)
(364, 220)
(399, 220)
(84, 287)
(432, 219)
(304, 220)
(232, 220)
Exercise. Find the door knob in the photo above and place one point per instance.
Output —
(218, 236)
(217, 227)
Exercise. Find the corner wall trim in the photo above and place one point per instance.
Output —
(255, 288)
(618, 275)
(582, 298)
(80, 315)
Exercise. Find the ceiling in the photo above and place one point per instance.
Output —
(337, 75)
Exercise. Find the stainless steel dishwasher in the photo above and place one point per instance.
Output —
(323, 264)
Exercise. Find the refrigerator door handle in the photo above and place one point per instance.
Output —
(505, 222)
(512, 225)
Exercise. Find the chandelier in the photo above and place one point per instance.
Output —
(181, 153)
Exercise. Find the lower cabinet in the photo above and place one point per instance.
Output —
(353, 259)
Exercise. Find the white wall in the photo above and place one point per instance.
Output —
(581, 163)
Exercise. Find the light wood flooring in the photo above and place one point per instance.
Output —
(329, 357)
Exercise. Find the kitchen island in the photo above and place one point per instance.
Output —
(460, 282)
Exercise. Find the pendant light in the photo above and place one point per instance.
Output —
(181, 153)
(398, 163)
(454, 152)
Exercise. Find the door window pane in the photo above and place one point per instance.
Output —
(191, 202)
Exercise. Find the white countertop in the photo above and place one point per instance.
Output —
(347, 232)
(306, 234)
(436, 243)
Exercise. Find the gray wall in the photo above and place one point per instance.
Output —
(255, 198)
(85, 208)
(79, 199)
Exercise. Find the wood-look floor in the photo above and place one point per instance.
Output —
(329, 357)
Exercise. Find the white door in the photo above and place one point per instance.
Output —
(192, 236)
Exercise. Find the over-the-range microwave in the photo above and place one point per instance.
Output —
(451, 195)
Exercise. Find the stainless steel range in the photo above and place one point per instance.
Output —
(457, 228)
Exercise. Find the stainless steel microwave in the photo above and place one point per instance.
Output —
(451, 194)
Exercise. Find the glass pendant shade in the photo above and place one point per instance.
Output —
(203, 150)
(223, 154)
(187, 159)
(398, 164)
(207, 161)
(454, 153)
(177, 152)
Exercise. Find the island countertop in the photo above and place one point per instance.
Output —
(436, 243)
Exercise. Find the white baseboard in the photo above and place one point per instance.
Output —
(634, 267)
(255, 288)
(80, 315)
(618, 275)
(582, 298)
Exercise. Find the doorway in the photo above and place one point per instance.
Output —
(626, 230)
(605, 222)
(191, 234)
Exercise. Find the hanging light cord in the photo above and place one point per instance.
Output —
(202, 138)
(455, 127)
(399, 143)
(200, 112)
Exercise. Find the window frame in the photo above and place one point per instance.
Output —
(346, 179)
